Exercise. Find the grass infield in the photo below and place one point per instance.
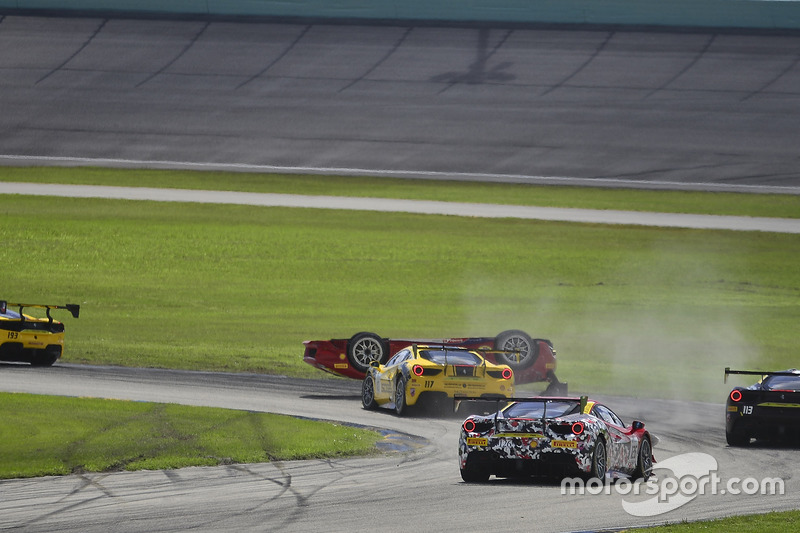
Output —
(631, 310)
(49, 435)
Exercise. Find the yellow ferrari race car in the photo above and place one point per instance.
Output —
(28, 339)
(435, 373)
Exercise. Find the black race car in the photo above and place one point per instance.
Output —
(769, 409)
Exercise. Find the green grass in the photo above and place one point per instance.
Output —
(762, 205)
(631, 310)
(775, 522)
(45, 435)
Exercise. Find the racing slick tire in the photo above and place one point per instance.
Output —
(518, 341)
(644, 464)
(474, 474)
(46, 357)
(365, 347)
(368, 393)
(599, 461)
(736, 438)
(400, 406)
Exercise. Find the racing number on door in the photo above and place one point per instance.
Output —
(747, 409)
(428, 384)
(13, 335)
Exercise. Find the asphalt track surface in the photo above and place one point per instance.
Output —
(601, 106)
(543, 105)
(414, 486)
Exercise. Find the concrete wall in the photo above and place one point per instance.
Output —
(762, 14)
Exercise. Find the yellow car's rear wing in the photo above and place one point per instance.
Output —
(75, 309)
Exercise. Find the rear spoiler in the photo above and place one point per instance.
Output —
(75, 309)
(761, 373)
(458, 399)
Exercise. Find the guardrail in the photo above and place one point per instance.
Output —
(761, 14)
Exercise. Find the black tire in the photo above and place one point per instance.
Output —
(599, 461)
(368, 393)
(644, 464)
(472, 474)
(736, 438)
(365, 347)
(400, 406)
(517, 341)
(44, 358)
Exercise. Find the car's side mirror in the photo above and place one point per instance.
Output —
(637, 425)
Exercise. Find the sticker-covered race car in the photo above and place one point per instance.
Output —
(768, 409)
(533, 360)
(554, 436)
(433, 373)
(28, 339)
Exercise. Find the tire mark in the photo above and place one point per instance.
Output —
(585, 64)
(177, 57)
(74, 54)
(378, 63)
(686, 68)
(274, 61)
(774, 80)
(477, 72)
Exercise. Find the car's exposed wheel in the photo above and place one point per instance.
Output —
(364, 348)
(474, 474)
(736, 438)
(520, 350)
(599, 458)
(400, 406)
(644, 464)
(368, 393)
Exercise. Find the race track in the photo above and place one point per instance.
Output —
(417, 488)
(547, 105)
(588, 106)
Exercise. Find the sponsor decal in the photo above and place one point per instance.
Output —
(340, 365)
(477, 441)
(778, 404)
(564, 444)
(518, 436)
(732, 408)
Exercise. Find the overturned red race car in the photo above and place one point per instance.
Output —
(533, 360)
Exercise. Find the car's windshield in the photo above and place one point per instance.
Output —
(783, 383)
(10, 314)
(538, 408)
(450, 357)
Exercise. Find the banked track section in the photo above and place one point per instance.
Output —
(610, 105)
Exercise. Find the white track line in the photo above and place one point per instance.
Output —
(593, 216)
(10, 159)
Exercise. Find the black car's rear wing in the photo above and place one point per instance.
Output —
(761, 373)
(72, 308)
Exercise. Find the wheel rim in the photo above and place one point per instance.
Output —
(647, 459)
(519, 346)
(368, 394)
(400, 395)
(367, 350)
(600, 460)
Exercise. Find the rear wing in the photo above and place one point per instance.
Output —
(458, 399)
(761, 373)
(75, 309)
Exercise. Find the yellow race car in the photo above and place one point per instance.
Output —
(435, 373)
(28, 339)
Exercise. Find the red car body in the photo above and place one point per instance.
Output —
(533, 360)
